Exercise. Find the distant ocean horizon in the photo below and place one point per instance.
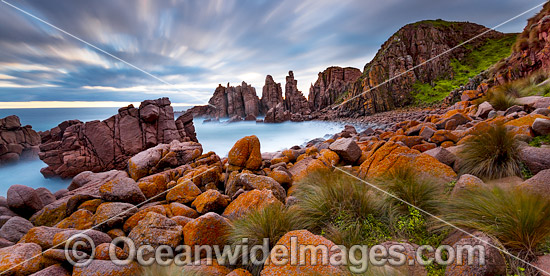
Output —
(217, 137)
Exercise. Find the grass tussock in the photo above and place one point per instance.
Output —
(171, 270)
(520, 220)
(325, 198)
(406, 184)
(271, 222)
(491, 154)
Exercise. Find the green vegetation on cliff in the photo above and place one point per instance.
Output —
(475, 62)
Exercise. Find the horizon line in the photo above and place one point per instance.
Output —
(74, 104)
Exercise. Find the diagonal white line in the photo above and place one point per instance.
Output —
(94, 227)
(101, 50)
(441, 220)
(442, 54)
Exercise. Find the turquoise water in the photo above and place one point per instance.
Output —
(217, 137)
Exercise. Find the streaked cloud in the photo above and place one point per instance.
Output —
(197, 44)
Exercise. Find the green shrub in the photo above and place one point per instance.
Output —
(271, 222)
(325, 197)
(491, 154)
(540, 140)
(520, 220)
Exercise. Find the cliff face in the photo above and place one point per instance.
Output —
(410, 46)
(331, 85)
(73, 146)
(531, 52)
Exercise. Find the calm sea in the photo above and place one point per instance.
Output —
(217, 137)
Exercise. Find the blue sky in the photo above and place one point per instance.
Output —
(196, 45)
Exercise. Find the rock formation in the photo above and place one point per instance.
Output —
(17, 142)
(410, 46)
(295, 102)
(73, 146)
(331, 85)
(272, 94)
(228, 102)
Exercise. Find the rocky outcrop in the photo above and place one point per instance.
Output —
(73, 146)
(16, 141)
(331, 85)
(410, 46)
(531, 52)
(295, 102)
(230, 101)
(272, 94)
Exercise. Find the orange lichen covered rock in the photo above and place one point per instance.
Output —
(239, 272)
(210, 201)
(249, 201)
(208, 229)
(206, 267)
(246, 153)
(134, 220)
(179, 209)
(441, 136)
(155, 229)
(91, 205)
(102, 252)
(80, 220)
(410, 141)
(304, 167)
(391, 155)
(522, 126)
(312, 265)
(424, 147)
(185, 192)
(20, 259)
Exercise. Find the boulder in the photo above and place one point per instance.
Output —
(206, 266)
(179, 209)
(92, 179)
(538, 184)
(184, 192)
(246, 153)
(81, 219)
(304, 167)
(247, 181)
(536, 159)
(24, 200)
(543, 263)
(15, 228)
(77, 236)
(132, 221)
(494, 261)
(467, 181)
(20, 259)
(112, 214)
(54, 270)
(483, 110)
(542, 111)
(239, 272)
(156, 229)
(208, 229)
(157, 158)
(45, 196)
(250, 201)
(210, 201)
(347, 149)
(442, 155)
(541, 126)
(542, 103)
(304, 237)
(42, 236)
(122, 190)
(73, 146)
(100, 267)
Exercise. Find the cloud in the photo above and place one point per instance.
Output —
(197, 44)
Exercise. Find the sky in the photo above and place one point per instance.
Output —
(183, 49)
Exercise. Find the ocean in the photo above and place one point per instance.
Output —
(217, 137)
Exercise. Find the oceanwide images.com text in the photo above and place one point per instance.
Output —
(356, 257)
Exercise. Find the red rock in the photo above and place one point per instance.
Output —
(210, 201)
(20, 259)
(331, 84)
(73, 147)
(208, 229)
(246, 153)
